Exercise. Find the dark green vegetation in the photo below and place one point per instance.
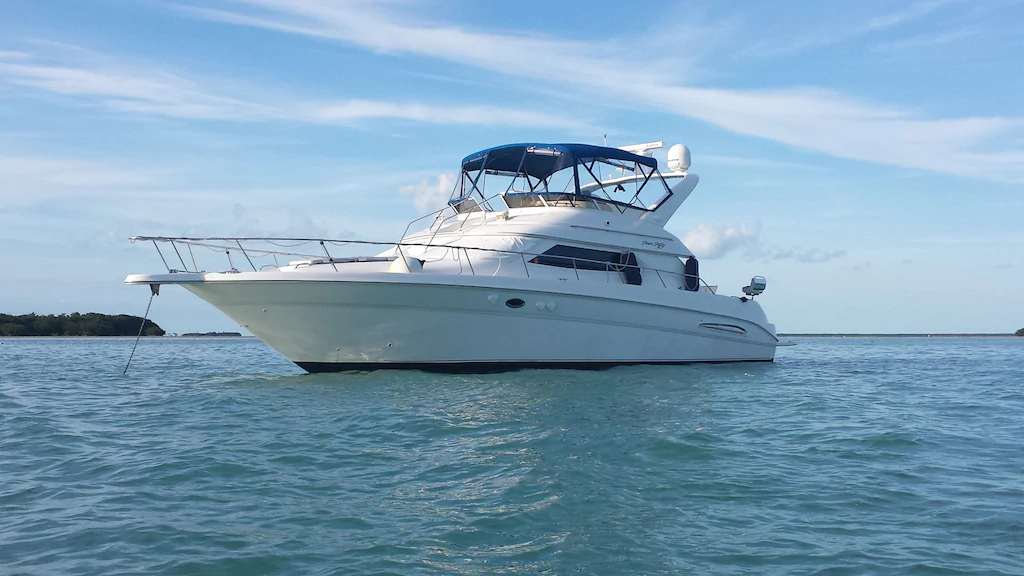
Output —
(1019, 332)
(91, 324)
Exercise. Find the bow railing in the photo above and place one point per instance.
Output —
(262, 253)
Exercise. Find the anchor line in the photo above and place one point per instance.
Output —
(154, 289)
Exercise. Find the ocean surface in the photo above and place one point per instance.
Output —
(217, 456)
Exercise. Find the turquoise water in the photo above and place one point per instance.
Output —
(846, 456)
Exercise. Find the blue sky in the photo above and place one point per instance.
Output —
(867, 157)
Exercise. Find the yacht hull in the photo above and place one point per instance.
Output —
(396, 323)
(492, 367)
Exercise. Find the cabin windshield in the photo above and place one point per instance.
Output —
(562, 175)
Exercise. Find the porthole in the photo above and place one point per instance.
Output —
(515, 303)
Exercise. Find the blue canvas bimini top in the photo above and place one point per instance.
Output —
(543, 160)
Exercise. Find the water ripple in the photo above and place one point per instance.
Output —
(847, 456)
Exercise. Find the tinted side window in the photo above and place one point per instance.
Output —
(581, 258)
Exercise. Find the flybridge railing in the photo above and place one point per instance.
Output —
(258, 250)
(440, 219)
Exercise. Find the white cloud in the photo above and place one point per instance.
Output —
(431, 194)
(710, 242)
(129, 90)
(924, 41)
(126, 89)
(69, 201)
(763, 163)
(289, 222)
(352, 110)
(807, 256)
(27, 178)
(913, 12)
(819, 38)
(815, 119)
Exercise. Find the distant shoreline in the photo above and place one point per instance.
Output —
(77, 324)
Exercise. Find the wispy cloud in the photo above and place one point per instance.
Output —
(715, 242)
(430, 194)
(128, 89)
(928, 41)
(30, 178)
(749, 162)
(353, 110)
(712, 242)
(807, 255)
(152, 93)
(288, 223)
(84, 198)
(913, 12)
(814, 39)
(815, 119)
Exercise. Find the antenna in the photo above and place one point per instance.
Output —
(643, 149)
(605, 139)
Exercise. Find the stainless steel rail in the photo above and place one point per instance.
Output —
(455, 254)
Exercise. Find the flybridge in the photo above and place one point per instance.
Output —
(540, 161)
(569, 175)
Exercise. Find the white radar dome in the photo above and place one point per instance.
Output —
(678, 158)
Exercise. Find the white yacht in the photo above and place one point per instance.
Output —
(546, 256)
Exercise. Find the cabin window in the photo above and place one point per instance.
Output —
(579, 258)
(465, 204)
(589, 259)
(631, 270)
